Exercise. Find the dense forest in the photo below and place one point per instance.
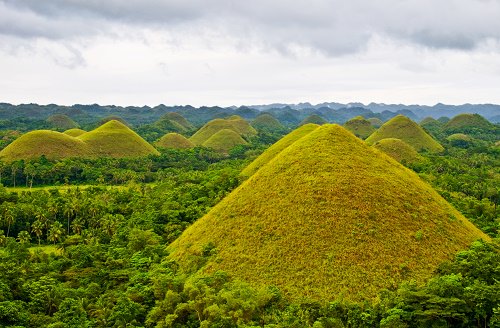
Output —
(83, 244)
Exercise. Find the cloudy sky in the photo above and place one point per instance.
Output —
(234, 52)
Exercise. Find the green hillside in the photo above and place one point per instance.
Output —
(360, 127)
(179, 119)
(398, 149)
(460, 140)
(114, 139)
(61, 122)
(74, 132)
(234, 123)
(328, 217)
(113, 118)
(277, 147)
(52, 144)
(376, 122)
(224, 140)
(464, 123)
(174, 140)
(173, 122)
(315, 119)
(266, 122)
(401, 127)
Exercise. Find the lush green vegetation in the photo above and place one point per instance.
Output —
(401, 127)
(113, 268)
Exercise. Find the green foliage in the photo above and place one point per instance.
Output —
(401, 127)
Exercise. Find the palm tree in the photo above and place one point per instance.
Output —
(3, 238)
(77, 226)
(37, 229)
(55, 232)
(24, 237)
(9, 218)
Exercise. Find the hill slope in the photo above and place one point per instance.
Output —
(234, 123)
(174, 140)
(114, 139)
(360, 127)
(276, 148)
(464, 123)
(315, 119)
(266, 122)
(61, 122)
(328, 216)
(74, 132)
(54, 145)
(224, 140)
(401, 127)
(398, 149)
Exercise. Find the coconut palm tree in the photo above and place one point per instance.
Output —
(55, 232)
(37, 229)
(24, 237)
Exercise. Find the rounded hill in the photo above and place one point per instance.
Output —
(266, 122)
(277, 147)
(328, 217)
(51, 144)
(401, 127)
(224, 140)
(173, 122)
(174, 140)
(235, 123)
(114, 139)
(61, 122)
(376, 122)
(178, 118)
(360, 127)
(398, 149)
(74, 132)
(315, 119)
(464, 123)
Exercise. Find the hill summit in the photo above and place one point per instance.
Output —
(401, 127)
(360, 127)
(235, 123)
(327, 217)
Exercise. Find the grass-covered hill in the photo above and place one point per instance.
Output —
(224, 140)
(315, 119)
(114, 139)
(235, 123)
(467, 123)
(61, 122)
(460, 140)
(112, 118)
(266, 122)
(398, 149)
(328, 217)
(74, 132)
(52, 144)
(276, 148)
(376, 122)
(173, 122)
(401, 127)
(174, 140)
(360, 127)
(179, 119)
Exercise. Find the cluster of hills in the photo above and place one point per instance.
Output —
(324, 215)
(112, 139)
(287, 114)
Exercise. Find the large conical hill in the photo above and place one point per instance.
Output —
(51, 144)
(235, 123)
(173, 122)
(328, 217)
(277, 147)
(314, 119)
(224, 140)
(114, 139)
(467, 123)
(174, 140)
(361, 127)
(401, 127)
(176, 117)
(375, 122)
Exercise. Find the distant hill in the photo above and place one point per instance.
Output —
(398, 149)
(375, 122)
(51, 144)
(327, 218)
(266, 122)
(61, 122)
(113, 118)
(235, 123)
(114, 139)
(74, 132)
(360, 127)
(173, 122)
(174, 140)
(460, 140)
(277, 147)
(465, 123)
(314, 119)
(224, 140)
(401, 127)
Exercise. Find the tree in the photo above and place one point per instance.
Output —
(55, 232)
(24, 237)
(37, 229)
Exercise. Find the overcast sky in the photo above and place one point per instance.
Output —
(232, 52)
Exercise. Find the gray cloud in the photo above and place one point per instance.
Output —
(332, 27)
